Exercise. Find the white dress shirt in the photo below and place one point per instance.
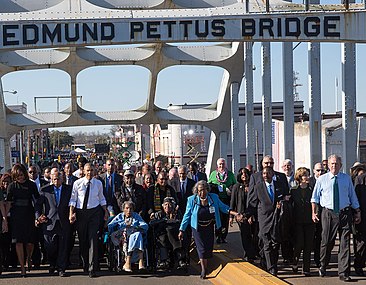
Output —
(38, 183)
(96, 196)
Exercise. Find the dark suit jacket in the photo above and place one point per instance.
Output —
(312, 182)
(138, 198)
(260, 204)
(257, 178)
(182, 199)
(73, 178)
(46, 204)
(360, 189)
(109, 196)
(200, 175)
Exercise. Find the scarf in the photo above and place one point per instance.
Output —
(224, 176)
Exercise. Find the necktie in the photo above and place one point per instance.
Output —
(57, 195)
(182, 187)
(270, 192)
(86, 198)
(335, 195)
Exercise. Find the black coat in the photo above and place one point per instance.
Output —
(109, 196)
(46, 204)
(360, 188)
(182, 199)
(261, 206)
(138, 197)
(302, 210)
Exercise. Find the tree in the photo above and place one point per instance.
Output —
(60, 139)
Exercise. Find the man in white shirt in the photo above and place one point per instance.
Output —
(87, 207)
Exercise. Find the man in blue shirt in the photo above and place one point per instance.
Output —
(335, 194)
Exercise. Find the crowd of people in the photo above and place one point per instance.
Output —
(157, 212)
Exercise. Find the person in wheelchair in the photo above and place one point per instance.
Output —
(166, 224)
(130, 229)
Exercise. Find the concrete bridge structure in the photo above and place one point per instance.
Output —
(73, 35)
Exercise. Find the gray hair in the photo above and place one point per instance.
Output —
(129, 203)
(203, 183)
(287, 161)
(184, 168)
(337, 157)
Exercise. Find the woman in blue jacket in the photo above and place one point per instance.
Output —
(203, 212)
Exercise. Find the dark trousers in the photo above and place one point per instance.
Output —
(359, 243)
(57, 244)
(333, 223)
(317, 242)
(270, 252)
(304, 235)
(88, 226)
(247, 241)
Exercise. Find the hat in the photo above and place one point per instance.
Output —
(129, 172)
(169, 200)
(358, 166)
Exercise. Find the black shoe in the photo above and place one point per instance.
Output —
(51, 270)
(322, 272)
(218, 240)
(306, 273)
(181, 264)
(345, 278)
(92, 274)
(359, 272)
(295, 268)
(273, 272)
(62, 273)
(203, 274)
(223, 240)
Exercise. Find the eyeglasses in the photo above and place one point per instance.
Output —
(163, 178)
(318, 170)
(32, 172)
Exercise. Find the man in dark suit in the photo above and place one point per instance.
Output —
(52, 212)
(112, 184)
(263, 199)
(318, 170)
(69, 177)
(257, 177)
(39, 253)
(194, 174)
(360, 236)
(186, 186)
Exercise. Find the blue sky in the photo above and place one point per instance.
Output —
(112, 88)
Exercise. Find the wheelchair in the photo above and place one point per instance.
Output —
(116, 246)
(163, 253)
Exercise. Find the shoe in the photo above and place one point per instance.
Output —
(62, 273)
(223, 240)
(23, 274)
(203, 274)
(218, 240)
(322, 272)
(92, 274)
(359, 272)
(295, 268)
(126, 269)
(345, 278)
(181, 264)
(306, 273)
(51, 270)
(273, 272)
